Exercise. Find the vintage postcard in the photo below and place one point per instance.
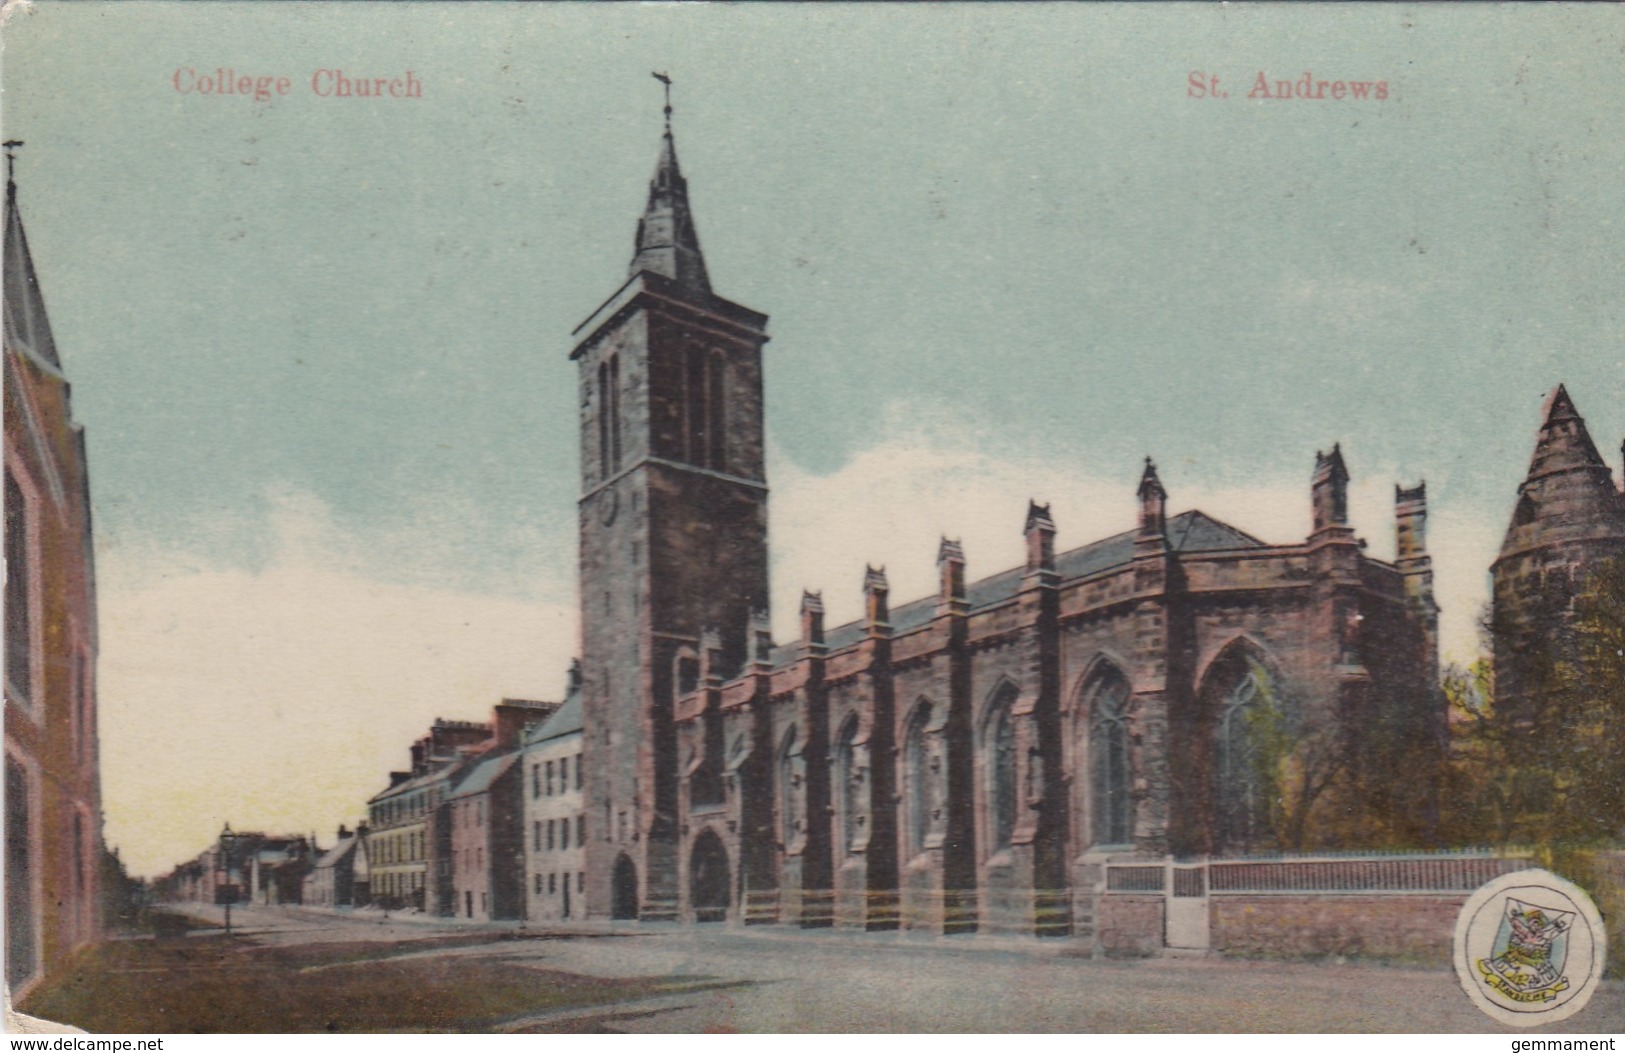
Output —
(800, 518)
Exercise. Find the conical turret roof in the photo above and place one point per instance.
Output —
(1569, 493)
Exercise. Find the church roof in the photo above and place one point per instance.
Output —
(1569, 493)
(1191, 531)
(27, 327)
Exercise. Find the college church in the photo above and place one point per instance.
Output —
(972, 760)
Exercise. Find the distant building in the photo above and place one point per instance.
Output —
(276, 867)
(336, 881)
(401, 820)
(486, 862)
(555, 817)
(267, 869)
(53, 820)
(413, 835)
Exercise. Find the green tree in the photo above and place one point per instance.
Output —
(1547, 768)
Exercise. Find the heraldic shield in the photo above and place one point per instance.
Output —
(1531, 948)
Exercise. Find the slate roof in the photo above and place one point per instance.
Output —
(1188, 532)
(335, 855)
(566, 720)
(486, 772)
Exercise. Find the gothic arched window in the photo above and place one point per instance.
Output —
(1000, 751)
(716, 402)
(1111, 806)
(789, 789)
(918, 787)
(1249, 724)
(849, 789)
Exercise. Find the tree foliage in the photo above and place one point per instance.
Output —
(1546, 767)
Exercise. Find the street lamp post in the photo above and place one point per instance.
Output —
(228, 841)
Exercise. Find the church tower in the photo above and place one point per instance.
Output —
(1568, 517)
(673, 516)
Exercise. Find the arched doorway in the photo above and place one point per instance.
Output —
(624, 891)
(708, 878)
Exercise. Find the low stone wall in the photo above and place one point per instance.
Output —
(1129, 926)
(1417, 928)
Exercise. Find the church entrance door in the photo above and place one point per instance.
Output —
(624, 890)
(708, 878)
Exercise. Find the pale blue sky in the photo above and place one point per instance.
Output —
(333, 333)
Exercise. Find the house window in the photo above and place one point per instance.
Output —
(564, 774)
(550, 835)
(578, 771)
(581, 881)
(550, 778)
(564, 834)
(536, 779)
(536, 833)
(552, 884)
(581, 830)
(538, 882)
(1111, 806)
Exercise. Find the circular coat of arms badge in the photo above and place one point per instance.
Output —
(1529, 948)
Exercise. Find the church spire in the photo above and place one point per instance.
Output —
(27, 325)
(667, 243)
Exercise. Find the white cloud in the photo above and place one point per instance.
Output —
(939, 475)
(280, 699)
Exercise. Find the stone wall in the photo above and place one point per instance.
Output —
(1129, 926)
(1407, 928)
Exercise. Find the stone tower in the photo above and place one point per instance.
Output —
(1568, 517)
(673, 534)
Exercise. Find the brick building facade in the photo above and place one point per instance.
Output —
(53, 789)
(968, 760)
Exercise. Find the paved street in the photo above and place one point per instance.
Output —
(665, 979)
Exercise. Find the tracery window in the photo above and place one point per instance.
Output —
(1111, 806)
(917, 779)
(1000, 748)
(847, 778)
(1250, 712)
(789, 790)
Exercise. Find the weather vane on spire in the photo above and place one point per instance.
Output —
(11, 160)
(662, 78)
